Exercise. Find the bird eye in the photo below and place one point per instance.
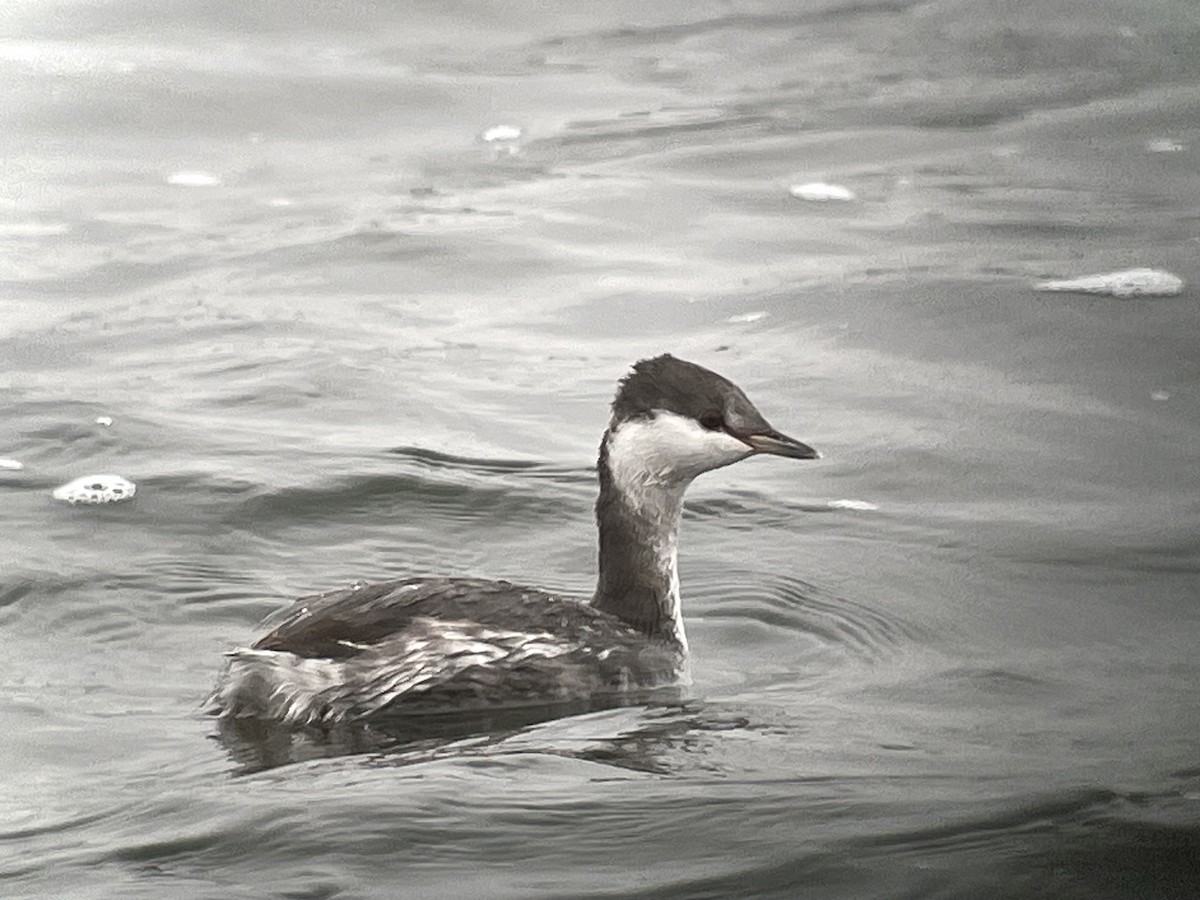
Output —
(712, 421)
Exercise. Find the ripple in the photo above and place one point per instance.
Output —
(107, 278)
(1053, 846)
(999, 682)
(623, 731)
(793, 605)
(639, 732)
(101, 623)
(43, 586)
(1010, 818)
(208, 591)
(53, 822)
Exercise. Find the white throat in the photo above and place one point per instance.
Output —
(668, 450)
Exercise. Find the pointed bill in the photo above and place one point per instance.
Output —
(780, 445)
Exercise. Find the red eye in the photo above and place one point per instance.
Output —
(712, 421)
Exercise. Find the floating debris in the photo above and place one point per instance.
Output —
(96, 489)
(1164, 145)
(192, 178)
(1160, 395)
(820, 192)
(1126, 283)
(104, 420)
(501, 134)
(747, 317)
(12, 464)
(861, 505)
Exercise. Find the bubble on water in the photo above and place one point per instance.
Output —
(502, 140)
(193, 178)
(104, 420)
(12, 464)
(96, 489)
(1126, 283)
(860, 505)
(1164, 145)
(820, 192)
(501, 133)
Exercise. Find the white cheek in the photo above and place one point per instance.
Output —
(670, 448)
(727, 446)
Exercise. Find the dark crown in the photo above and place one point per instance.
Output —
(667, 384)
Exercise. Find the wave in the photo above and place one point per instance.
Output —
(436, 486)
(1074, 844)
(434, 460)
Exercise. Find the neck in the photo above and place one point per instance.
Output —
(638, 518)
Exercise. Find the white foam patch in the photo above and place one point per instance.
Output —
(96, 489)
(1165, 145)
(193, 178)
(104, 420)
(860, 505)
(1125, 283)
(820, 192)
(502, 133)
(12, 464)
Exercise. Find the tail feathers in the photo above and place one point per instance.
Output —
(267, 684)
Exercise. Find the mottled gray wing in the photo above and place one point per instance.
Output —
(464, 666)
(339, 624)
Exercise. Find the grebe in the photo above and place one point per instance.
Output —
(422, 645)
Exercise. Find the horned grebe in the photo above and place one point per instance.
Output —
(436, 644)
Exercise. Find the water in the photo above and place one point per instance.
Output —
(358, 341)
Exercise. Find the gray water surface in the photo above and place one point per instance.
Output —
(341, 336)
